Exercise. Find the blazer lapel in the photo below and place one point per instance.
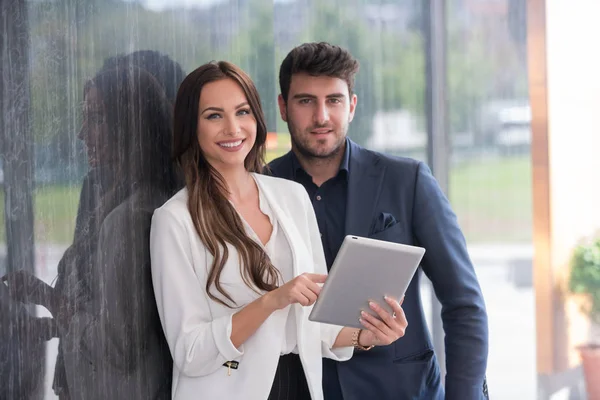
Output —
(285, 223)
(364, 186)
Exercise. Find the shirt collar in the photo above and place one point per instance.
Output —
(344, 166)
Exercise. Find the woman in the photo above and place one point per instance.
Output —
(237, 258)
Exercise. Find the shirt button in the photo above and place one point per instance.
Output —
(318, 198)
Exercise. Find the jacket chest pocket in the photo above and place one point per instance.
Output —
(394, 233)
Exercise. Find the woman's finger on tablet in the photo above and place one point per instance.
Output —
(310, 281)
(315, 288)
(300, 298)
(316, 278)
(309, 294)
(296, 292)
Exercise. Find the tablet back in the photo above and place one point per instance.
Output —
(364, 269)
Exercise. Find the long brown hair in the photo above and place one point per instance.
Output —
(214, 218)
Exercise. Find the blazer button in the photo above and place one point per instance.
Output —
(318, 198)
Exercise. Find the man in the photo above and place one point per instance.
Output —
(360, 192)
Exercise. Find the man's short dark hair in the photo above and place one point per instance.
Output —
(318, 59)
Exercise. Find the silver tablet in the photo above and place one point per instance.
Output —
(364, 269)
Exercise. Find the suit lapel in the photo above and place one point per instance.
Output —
(282, 167)
(364, 186)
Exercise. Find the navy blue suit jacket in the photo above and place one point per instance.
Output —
(399, 200)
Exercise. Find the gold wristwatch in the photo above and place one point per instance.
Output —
(355, 339)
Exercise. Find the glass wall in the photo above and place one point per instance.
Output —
(490, 177)
(55, 193)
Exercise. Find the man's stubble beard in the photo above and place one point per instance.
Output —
(309, 154)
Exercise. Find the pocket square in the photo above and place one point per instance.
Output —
(382, 222)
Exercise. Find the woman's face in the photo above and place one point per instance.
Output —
(226, 125)
(94, 129)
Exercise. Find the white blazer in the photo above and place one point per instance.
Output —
(198, 329)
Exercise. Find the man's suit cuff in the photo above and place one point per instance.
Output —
(464, 390)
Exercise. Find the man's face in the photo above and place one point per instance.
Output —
(318, 111)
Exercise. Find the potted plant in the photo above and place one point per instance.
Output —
(585, 280)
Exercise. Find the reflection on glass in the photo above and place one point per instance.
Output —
(111, 343)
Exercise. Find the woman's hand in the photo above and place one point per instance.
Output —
(27, 288)
(43, 327)
(387, 329)
(303, 289)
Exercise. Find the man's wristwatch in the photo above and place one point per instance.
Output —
(356, 338)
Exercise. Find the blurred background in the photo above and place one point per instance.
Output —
(457, 83)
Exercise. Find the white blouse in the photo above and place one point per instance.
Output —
(280, 253)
